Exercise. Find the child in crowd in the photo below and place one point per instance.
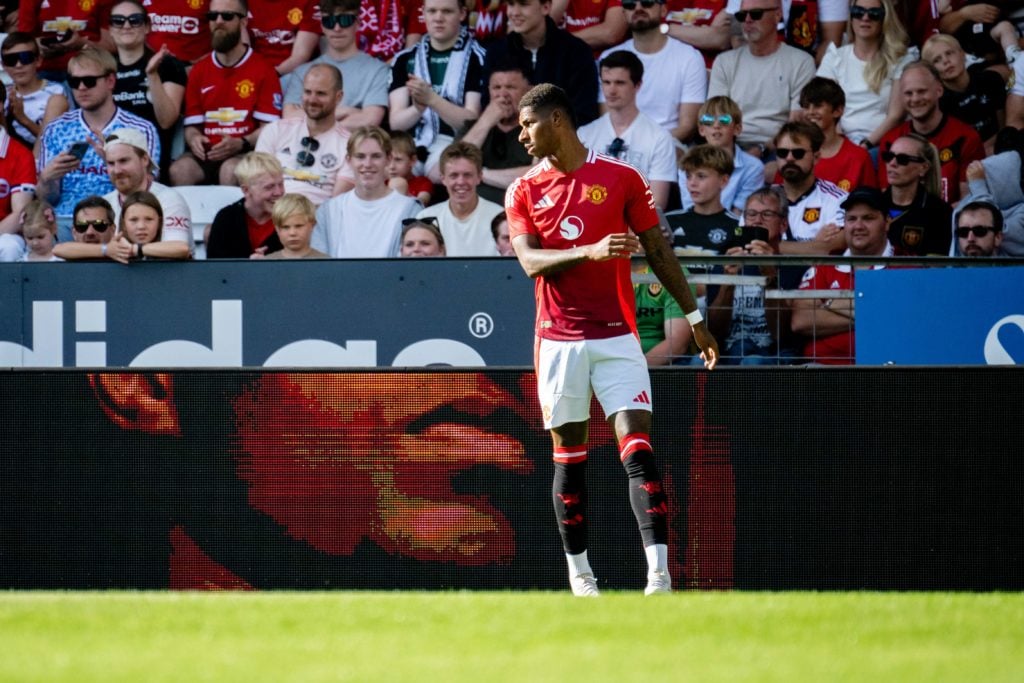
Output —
(39, 228)
(140, 228)
(719, 122)
(401, 178)
(294, 217)
(842, 162)
(421, 237)
(706, 226)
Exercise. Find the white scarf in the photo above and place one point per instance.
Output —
(453, 88)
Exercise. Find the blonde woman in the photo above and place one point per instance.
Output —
(866, 69)
(920, 219)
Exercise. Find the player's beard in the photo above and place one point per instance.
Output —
(225, 40)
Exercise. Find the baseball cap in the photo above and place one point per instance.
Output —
(865, 195)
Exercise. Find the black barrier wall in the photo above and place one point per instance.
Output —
(778, 479)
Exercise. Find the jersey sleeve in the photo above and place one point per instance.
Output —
(22, 171)
(641, 215)
(517, 206)
(194, 111)
(268, 102)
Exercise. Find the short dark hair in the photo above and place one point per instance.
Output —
(495, 222)
(708, 157)
(94, 201)
(545, 99)
(506, 64)
(20, 38)
(801, 129)
(624, 59)
(823, 90)
(982, 205)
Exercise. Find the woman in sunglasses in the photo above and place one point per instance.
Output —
(150, 84)
(920, 219)
(866, 68)
(33, 101)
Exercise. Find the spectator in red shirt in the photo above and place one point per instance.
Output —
(841, 161)
(598, 23)
(63, 27)
(181, 26)
(284, 32)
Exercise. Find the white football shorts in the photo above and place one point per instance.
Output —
(569, 372)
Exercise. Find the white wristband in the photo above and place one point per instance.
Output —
(103, 248)
(694, 317)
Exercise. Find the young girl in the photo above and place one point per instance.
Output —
(294, 217)
(140, 227)
(39, 228)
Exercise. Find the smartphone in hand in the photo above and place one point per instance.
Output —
(78, 149)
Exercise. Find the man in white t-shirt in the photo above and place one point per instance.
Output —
(131, 170)
(764, 77)
(465, 219)
(312, 149)
(625, 132)
(815, 212)
(673, 98)
(366, 222)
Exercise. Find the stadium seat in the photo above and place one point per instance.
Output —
(204, 201)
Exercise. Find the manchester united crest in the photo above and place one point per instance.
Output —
(87, 5)
(912, 235)
(195, 4)
(596, 194)
(945, 155)
(245, 88)
(812, 214)
(845, 185)
(294, 16)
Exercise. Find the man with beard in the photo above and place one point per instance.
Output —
(979, 230)
(94, 229)
(71, 165)
(230, 94)
(131, 170)
(311, 149)
(673, 97)
(815, 215)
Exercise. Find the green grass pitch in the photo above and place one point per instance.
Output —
(506, 636)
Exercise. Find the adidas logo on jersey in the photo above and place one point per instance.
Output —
(544, 203)
(643, 398)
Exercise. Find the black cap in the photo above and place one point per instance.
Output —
(865, 195)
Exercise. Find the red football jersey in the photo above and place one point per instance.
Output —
(181, 25)
(228, 101)
(17, 171)
(273, 25)
(55, 20)
(958, 145)
(834, 349)
(591, 300)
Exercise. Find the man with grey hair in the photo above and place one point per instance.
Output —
(755, 332)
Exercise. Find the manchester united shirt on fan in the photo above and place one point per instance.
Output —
(181, 25)
(816, 209)
(273, 25)
(229, 100)
(593, 299)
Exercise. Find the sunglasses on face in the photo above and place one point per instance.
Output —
(754, 14)
(223, 16)
(629, 5)
(797, 153)
(97, 225)
(901, 159)
(305, 157)
(25, 57)
(873, 13)
(88, 81)
(329, 21)
(709, 120)
(978, 230)
(134, 20)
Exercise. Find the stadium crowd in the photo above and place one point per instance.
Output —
(381, 128)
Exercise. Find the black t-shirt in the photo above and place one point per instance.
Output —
(716, 232)
(131, 92)
(921, 229)
(977, 106)
(502, 150)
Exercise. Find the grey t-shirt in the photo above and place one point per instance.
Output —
(364, 80)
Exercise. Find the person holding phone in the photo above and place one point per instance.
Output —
(71, 162)
(755, 333)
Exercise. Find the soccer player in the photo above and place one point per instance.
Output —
(570, 219)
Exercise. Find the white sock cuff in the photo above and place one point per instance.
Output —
(578, 564)
(657, 557)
